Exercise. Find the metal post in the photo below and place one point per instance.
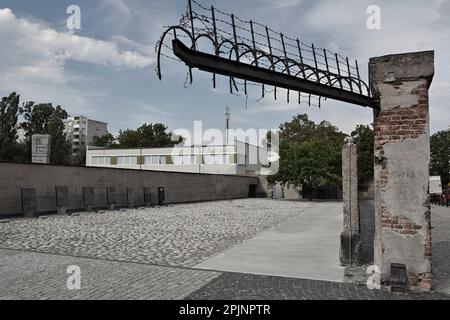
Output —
(349, 75)
(314, 55)
(191, 17)
(338, 69)
(350, 202)
(271, 56)
(216, 43)
(359, 78)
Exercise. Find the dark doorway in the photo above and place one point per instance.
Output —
(252, 190)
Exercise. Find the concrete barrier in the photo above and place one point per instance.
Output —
(179, 187)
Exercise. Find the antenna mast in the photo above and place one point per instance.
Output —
(227, 124)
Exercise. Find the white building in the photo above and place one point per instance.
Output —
(240, 158)
(435, 185)
(81, 130)
(20, 135)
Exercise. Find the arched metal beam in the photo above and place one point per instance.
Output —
(228, 67)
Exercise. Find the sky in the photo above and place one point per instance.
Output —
(106, 70)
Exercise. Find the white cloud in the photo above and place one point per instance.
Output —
(34, 62)
(407, 26)
(30, 50)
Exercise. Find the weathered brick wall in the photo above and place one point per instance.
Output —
(403, 226)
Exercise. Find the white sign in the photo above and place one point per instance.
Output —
(40, 148)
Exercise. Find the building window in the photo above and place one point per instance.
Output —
(154, 160)
(184, 159)
(101, 161)
(216, 158)
(127, 160)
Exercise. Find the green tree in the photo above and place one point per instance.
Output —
(440, 156)
(365, 152)
(146, 136)
(79, 157)
(106, 141)
(45, 119)
(310, 153)
(9, 111)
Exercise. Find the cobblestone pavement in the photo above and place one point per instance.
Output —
(142, 238)
(31, 275)
(178, 235)
(239, 286)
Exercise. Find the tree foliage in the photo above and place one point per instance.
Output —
(310, 153)
(440, 156)
(365, 152)
(105, 141)
(9, 111)
(146, 136)
(43, 118)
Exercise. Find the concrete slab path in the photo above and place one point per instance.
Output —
(305, 246)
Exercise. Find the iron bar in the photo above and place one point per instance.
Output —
(287, 61)
(301, 58)
(191, 17)
(349, 75)
(236, 45)
(219, 65)
(254, 52)
(236, 51)
(338, 69)
(216, 48)
(328, 68)
(314, 55)
(359, 79)
(266, 59)
(271, 55)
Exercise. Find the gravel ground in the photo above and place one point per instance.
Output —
(178, 235)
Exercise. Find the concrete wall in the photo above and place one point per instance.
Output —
(402, 156)
(179, 187)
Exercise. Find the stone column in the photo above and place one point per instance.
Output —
(350, 249)
(402, 155)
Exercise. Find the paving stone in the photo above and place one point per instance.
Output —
(179, 235)
(128, 255)
(32, 275)
(240, 286)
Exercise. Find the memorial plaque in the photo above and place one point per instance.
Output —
(147, 196)
(399, 278)
(29, 202)
(131, 197)
(161, 196)
(62, 199)
(111, 197)
(40, 148)
(89, 198)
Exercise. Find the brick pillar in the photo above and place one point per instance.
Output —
(402, 156)
(350, 249)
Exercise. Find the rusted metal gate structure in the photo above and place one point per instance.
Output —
(250, 53)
